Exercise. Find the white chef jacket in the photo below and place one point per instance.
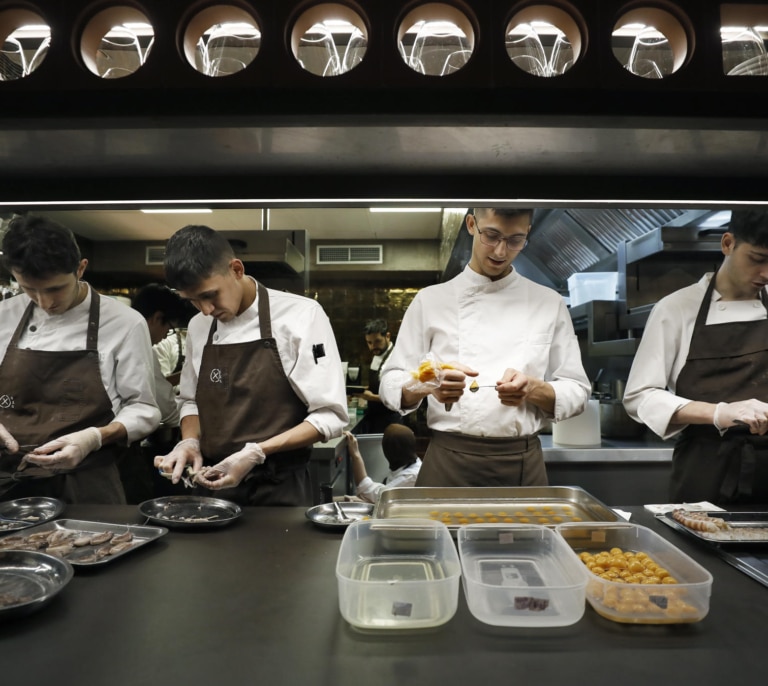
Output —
(649, 395)
(125, 352)
(298, 324)
(490, 326)
(370, 491)
(167, 350)
(165, 395)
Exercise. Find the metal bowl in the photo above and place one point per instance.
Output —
(29, 580)
(190, 511)
(325, 515)
(25, 512)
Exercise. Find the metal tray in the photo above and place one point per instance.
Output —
(30, 579)
(87, 555)
(326, 517)
(546, 505)
(190, 511)
(746, 528)
(28, 512)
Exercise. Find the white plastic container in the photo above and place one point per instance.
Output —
(653, 600)
(581, 430)
(520, 575)
(397, 574)
(587, 286)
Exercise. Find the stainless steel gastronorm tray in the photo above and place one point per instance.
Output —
(546, 505)
(745, 528)
(84, 556)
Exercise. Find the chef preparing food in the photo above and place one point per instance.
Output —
(514, 338)
(701, 373)
(262, 380)
(75, 379)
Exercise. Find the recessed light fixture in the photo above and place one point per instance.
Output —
(405, 209)
(186, 211)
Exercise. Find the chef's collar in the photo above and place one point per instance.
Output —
(481, 280)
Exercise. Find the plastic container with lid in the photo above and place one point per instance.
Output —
(520, 575)
(397, 574)
(636, 576)
(584, 287)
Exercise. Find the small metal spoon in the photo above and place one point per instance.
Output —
(474, 387)
(340, 513)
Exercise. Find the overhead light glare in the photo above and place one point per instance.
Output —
(405, 209)
(185, 211)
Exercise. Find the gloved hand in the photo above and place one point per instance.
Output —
(753, 413)
(8, 442)
(66, 452)
(185, 452)
(233, 469)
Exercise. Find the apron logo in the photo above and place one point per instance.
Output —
(6, 402)
(216, 376)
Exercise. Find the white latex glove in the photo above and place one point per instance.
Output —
(185, 452)
(8, 442)
(752, 413)
(233, 469)
(66, 452)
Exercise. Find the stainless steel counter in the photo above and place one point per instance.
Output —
(609, 450)
(257, 602)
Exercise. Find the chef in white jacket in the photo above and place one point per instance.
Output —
(700, 373)
(510, 335)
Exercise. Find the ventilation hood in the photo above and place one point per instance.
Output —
(569, 241)
(273, 253)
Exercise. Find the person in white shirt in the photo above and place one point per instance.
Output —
(74, 381)
(377, 416)
(514, 338)
(700, 373)
(261, 383)
(398, 443)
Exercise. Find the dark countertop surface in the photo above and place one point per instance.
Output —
(256, 603)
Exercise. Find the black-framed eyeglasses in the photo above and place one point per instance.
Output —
(492, 238)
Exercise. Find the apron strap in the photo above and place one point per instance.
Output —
(92, 335)
(265, 321)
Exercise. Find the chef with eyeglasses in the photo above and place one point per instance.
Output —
(508, 337)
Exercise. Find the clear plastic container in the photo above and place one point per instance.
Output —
(397, 574)
(670, 589)
(520, 575)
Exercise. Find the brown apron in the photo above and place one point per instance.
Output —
(454, 459)
(726, 363)
(45, 394)
(243, 396)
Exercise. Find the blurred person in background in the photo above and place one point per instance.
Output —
(74, 383)
(377, 416)
(399, 446)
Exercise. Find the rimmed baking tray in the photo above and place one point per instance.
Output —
(744, 528)
(544, 505)
(54, 536)
(23, 513)
(30, 579)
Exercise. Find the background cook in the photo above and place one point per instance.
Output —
(76, 368)
(510, 334)
(262, 380)
(701, 373)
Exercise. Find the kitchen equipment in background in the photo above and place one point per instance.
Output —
(586, 286)
(581, 430)
(353, 374)
(616, 423)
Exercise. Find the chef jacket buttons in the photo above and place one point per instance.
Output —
(215, 337)
(757, 304)
(33, 328)
(720, 306)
